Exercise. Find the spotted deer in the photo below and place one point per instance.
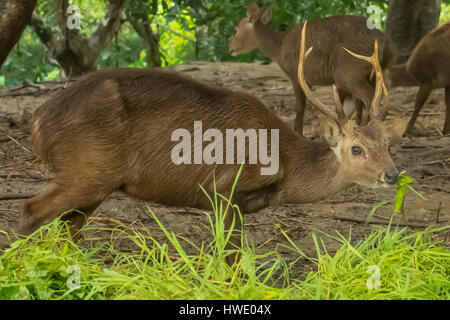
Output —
(329, 63)
(112, 131)
(428, 67)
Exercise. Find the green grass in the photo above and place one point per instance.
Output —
(45, 266)
(412, 266)
(37, 268)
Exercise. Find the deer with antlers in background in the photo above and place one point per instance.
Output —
(329, 63)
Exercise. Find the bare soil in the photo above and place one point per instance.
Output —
(425, 157)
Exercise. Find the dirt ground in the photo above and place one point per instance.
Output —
(425, 157)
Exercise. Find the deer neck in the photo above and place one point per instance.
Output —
(268, 40)
(313, 172)
(400, 77)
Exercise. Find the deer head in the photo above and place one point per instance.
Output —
(361, 150)
(244, 40)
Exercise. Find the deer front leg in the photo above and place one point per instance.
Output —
(58, 200)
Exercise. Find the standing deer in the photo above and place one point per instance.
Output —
(329, 64)
(112, 131)
(428, 67)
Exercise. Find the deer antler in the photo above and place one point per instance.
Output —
(338, 116)
(376, 111)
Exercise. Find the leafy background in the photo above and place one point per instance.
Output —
(189, 30)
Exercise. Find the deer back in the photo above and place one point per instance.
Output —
(430, 60)
(329, 36)
(120, 122)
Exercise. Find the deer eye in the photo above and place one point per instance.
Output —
(356, 150)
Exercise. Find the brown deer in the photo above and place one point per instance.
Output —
(112, 131)
(329, 63)
(428, 67)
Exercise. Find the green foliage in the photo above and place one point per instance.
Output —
(400, 193)
(411, 267)
(124, 51)
(27, 62)
(177, 43)
(189, 30)
(37, 267)
(288, 13)
(403, 183)
(41, 266)
(445, 12)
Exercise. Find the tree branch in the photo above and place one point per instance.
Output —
(44, 34)
(175, 32)
(75, 53)
(142, 25)
(14, 17)
(60, 6)
(109, 26)
(48, 39)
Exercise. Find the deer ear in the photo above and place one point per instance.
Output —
(330, 131)
(394, 129)
(253, 12)
(267, 15)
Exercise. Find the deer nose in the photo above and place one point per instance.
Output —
(391, 177)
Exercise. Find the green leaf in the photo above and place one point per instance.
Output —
(403, 183)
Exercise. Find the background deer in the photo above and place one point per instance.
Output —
(427, 67)
(112, 131)
(329, 63)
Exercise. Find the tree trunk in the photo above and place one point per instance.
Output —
(410, 20)
(142, 25)
(15, 15)
(73, 52)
